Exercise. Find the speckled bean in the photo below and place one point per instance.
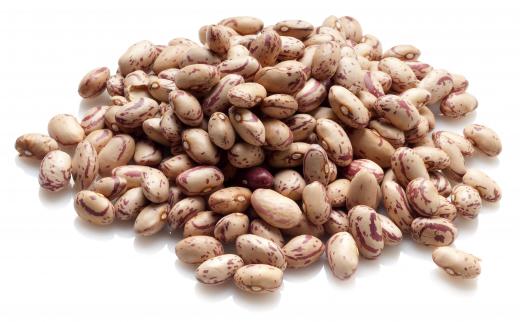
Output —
(278, 136)
(368, 144)
(130, 204)
(363, 190)
(244, 155)
(364, 164)
(467, 200)
(398, 111)
(408, 165)
(197, 249)
(365, 226)
(441, 183)
(65, 129)
(484, 139)
(131, 173)
(139, 56)
(218, 269)
(458, 104)
(289, 183)
(85, 164)
(315, 203)
(94, 82)
(35, 145)
(349, 109)
(246, 66)
(457, 263)
(197, 77)
(279, 106)
(396, 205)
(246, 95)
(231, 226)
(392, 235)
(333, 139)
(281, 80)
(433, 158)
(230, 199)
(184, 210)
(275, 208)
(447, 209)
(342, 255)
(291, 157)
(422, 195)
(487, 187)
(302, 251)
(55, 171)
(316, 165)
(94, 208)
(147, 153)
(301, 125)
(439, 83)
(433, 231)
(254, 249)
(349, 74)
(258, 278)
(200, 180)
(151, 219)
(118, 151)
(247, 125)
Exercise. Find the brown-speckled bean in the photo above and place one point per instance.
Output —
(254, 249)
(364, 164)
(247, 125)
(403, 52)
(186, 107)
(139, 56)
(258, 278)
(488, 189)
(198, 146)
(218, 269)
(220, 131)
(423, 197)
(294, 28)
(349, 109)
(467, 200)
(94, 119)
(246, 66)
(279, 106)
(433, 231)
(439, 83)
(342, 255)
(147, 153)
(229, 227)
(55, 171)
(349, 74)
(338, 221)
(396, 205)
(217, 99)
(420, 69)
(245, 155)
(441, 183)
(281, 80)
(408, 165)
(197, 77)
(398, 111)
(197, 249)
(316, 165)
(203, 223)
(110, 187)
(94, 82)
(130, 204)
(35, 145)
(325, 60)
(246, 95)
(302, 251)
(244, 25)
(291, 157)
(363, 190)
(365, 226)
(484, 139)
(184, 210)
(200, 180)
(155, 185)
(402, 75)
(315, 203)
(301, 125)
(278, 136)
(94, 208)
(458, 104)
(85, 164)
(433, 158)
(447, 209)
(337, 192)
(65, 129)
(261, 228)
(368, 144)
(131, 173)
(333, 139)
(266, 47)
(118, 151)
(289, 183)
(392, 235)
(456, 263)
(311, 95)
(151, 219)
(230, 199)
(134, 113)
(276, 209)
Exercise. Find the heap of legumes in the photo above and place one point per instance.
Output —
(288, 141)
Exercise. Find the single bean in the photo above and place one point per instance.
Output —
(229, 200)
(65, 129)
(366, 229)
(342, 255)
(231, 226)
(302, 251)
(467, 201)
(55, 171)
(197, 249)
(258, 278)
(433, 231)
(35, 145)
(456, 263)
(218, 269)
(94, 208)
(151, 220)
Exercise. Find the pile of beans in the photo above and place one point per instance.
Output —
(288, 141)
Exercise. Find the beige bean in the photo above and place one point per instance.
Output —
(301, 125)
(342, 255)
(349, 74)
(279, 106)
(217, 38)
(246, 95)
(247, 125)
(85, 164)
(349, 109)
(134, 113)
(456, 263)
(315, 203)
(258, 278)
(467, 201)
(311, 95)
(198, 55)
(147, 153)
(261, 228)
(139, 56)
(441, 183)
(351, 28)
(433, 158)
(419, 132)
(94, 208)
(275, 208)
(170, 127)
(229, 200)
(402, 75)
(152, 129)
(131, 173)
(420, 69)
(130, 204)
(447, 209)
(433, 231)
(155, 185)
(419, 97)
(392, 235)
(197, 144)
(377, 49)
(244, 25)
(423, 196)
(246, 66)
(118, 151)
(457, 167)
(187, 107)
(302, 251)
(398, 111)
(337, 192)
(365, 226)
(408, 165)
(367, 144)
(34, 145)
(363, 190)
(151, 220)
(326, 60)
(65, 129)
(294, 28)
(160, 88)
(278, 136)
(364, 164)
(94, 82)
(465, 146)
(289, 183)
(218, 269)
(197, 249)
(217, 99)
(373, 83)
(94, 119)
(458, 104)
(221, 131)
(488, 189)
(231, 226)
(403, 52)
(439, 83)
(292, 48)
(200, 180)
(266, 47)
(281, 80)
(55, 171)
(484, 139)
(184, 210)
(335, 141)
(110, 187)
(197, 77)
(338, 222)
(254, 249)
(203, 223)
(245, 155)
(316, 165)
(396, 205)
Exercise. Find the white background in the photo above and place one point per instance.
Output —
(54, 267)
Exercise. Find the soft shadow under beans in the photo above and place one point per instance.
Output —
(87, 103)
(462, 285)
(255, 301)
(55, 199)
(335, 282)
(305, 273)
(467, 226)
(88, 230)
(186, 270)
(216, 292)
(151, 244)
(30, 166)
